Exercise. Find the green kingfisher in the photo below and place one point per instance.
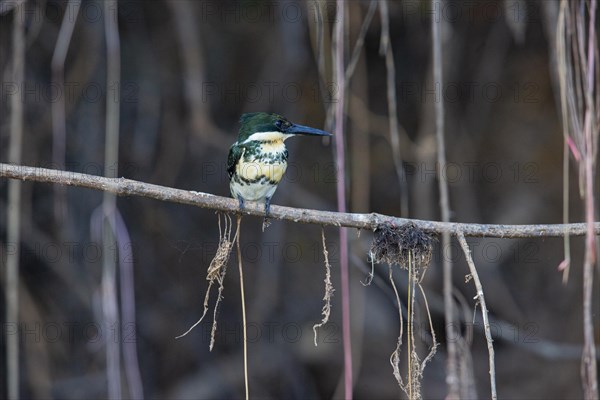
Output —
(258, 160)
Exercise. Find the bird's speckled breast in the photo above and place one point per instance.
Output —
(268, 162)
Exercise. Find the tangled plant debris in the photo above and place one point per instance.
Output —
(395, 244)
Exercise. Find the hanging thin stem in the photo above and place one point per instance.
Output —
(244, 330)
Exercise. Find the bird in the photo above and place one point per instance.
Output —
(258, 159)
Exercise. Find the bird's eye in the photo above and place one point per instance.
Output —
(279, 124)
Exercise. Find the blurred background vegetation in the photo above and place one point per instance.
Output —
(188, 70)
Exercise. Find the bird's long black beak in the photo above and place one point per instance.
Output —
(306, 130)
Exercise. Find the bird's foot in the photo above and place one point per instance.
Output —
(241, 201)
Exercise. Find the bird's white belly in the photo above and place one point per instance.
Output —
(252, 191)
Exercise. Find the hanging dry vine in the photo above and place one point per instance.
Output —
(326, 311)
(410, 248)
(216, 273)
(236, 239)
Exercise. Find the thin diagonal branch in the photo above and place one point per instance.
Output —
(129, 187)
(484, 312)
(360, 41)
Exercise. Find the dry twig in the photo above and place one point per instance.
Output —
(484, 312)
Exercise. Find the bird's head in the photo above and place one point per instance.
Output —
(262, 126)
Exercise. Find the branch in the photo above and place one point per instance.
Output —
(484, 313)
(129, 187)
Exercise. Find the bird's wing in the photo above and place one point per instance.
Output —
(235, 152)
